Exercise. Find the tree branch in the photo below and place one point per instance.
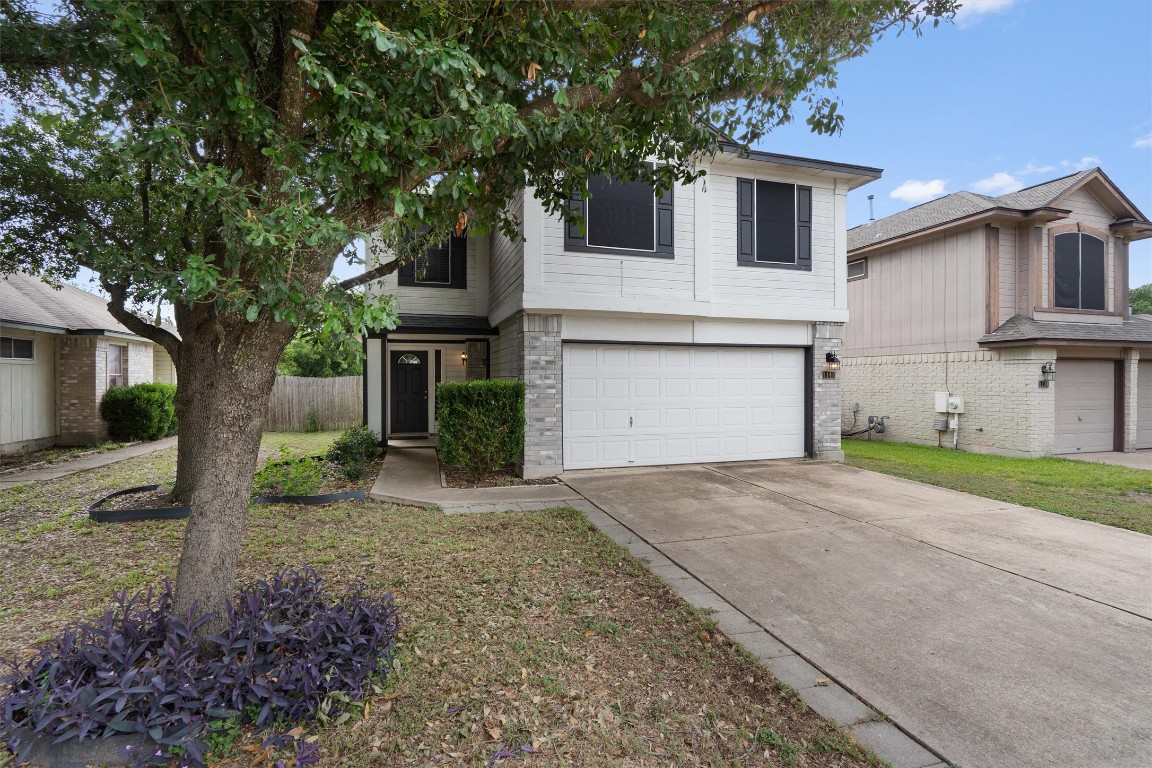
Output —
(373, 274)
(136, 324)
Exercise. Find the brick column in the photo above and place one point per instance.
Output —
(543, 400)
(82, 381)
(1131, 384)
(826, 337)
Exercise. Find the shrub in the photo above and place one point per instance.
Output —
(292, 653)
(353, 450)
(481, 423)
(288, 475)
(140, 412)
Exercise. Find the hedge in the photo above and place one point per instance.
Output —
(140, 412)
(481, 424)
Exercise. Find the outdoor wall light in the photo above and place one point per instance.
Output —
(464, 357)
(831, 365)
(1047, 374)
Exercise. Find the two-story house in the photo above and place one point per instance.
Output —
(694, 326)
(1018, 305)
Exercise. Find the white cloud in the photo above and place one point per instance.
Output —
(1088, 161)
(1032, 168)
(1144, 142)
(997, 184)
(972, 10)
(919, 191)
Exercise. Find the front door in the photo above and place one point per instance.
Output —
(409, 392)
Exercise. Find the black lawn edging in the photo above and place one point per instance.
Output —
(181, 512)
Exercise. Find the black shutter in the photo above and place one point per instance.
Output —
(458, 248)
(745, 220)
(804, 227)
(574, 228)
(665, 224)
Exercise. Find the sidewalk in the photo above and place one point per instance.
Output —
(412, 476)
(1141, 459)
(65, 468)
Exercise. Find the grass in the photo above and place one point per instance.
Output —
(1103, 493)
(530, 633)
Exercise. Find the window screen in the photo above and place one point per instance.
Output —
(16, 349)
(435, 265)
(775, 222)
(621, 214)
(1080, 271)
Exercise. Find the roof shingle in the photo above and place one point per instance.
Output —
(1134, 330)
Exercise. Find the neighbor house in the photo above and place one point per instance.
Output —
(1015, 305)
(692, 326)
(60, 351)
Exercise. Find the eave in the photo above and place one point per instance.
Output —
(1040, 215)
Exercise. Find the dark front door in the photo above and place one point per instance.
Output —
(409, 392)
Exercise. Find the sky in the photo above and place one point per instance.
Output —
(1015, 92)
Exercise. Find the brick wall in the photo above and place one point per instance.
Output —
(543, 372)
(1005, 410)
(140, 362)
(81, 366)
(828, 337)
(1131, 392)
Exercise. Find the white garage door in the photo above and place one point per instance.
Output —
(631, 405)
(1085, 405)
(1144, 405)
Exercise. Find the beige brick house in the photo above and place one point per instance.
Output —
(60, 351)
(1018, 305)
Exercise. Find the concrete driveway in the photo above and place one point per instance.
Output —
(998, 635)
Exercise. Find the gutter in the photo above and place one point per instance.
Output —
(1044, 214)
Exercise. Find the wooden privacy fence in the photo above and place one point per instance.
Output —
(335, 403)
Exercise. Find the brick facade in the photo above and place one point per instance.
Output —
(83, 380)
(1131, 384)
(543, 374)
(827, 337)
(1006, 411)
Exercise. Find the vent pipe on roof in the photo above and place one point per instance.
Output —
(871, 216)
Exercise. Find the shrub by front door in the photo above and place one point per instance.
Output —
(409, 392)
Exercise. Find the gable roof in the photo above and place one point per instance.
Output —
(962, 205)
(1136, 329)
(29, 301)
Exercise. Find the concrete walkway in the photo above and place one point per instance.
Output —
(412, 476)
(1137, 460)
(72, 466)
(997, 635)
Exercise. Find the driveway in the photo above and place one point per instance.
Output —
(999, 635)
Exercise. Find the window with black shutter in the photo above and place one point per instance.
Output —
(1080, 267)
(442, 265)
(774, 224)
(624, 217)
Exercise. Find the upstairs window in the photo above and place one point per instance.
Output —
(442, 265)
(117, 365)
(12, 348)
(622, 217)
(774, 224)
(858, 269)
(1079, 265)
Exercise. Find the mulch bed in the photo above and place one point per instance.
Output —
(157, 499)
(458, 477)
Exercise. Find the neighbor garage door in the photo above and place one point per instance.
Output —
(630, 405)
(1085, 405)
(1144, 404)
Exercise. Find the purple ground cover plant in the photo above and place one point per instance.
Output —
(292, 653)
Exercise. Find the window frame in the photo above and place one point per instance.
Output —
(108, 374)
(863, 262)
(1050, 257)
(11, 357)
(663, 227)
(747, 192)
(457, 267)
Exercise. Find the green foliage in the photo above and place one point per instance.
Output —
(481, 423)
(313, 419)
(1141, 299)
(140, 412)
(288, 475)
(353, 450)
(312, 356)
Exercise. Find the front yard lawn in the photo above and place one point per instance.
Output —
(1102, 493)
(526, 639)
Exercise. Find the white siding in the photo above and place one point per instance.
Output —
(421, 300)
(927, 296)
(28, 393)
(735, 284)
(506, 285)
(619, 275)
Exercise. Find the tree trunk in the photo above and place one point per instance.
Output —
(226, 371)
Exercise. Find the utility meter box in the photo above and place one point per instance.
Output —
(946, 403)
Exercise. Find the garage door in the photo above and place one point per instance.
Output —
(1085, 405)
(1144, 405)
(632, 405)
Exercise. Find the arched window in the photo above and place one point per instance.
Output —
(1080, 271)
(408, 360)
